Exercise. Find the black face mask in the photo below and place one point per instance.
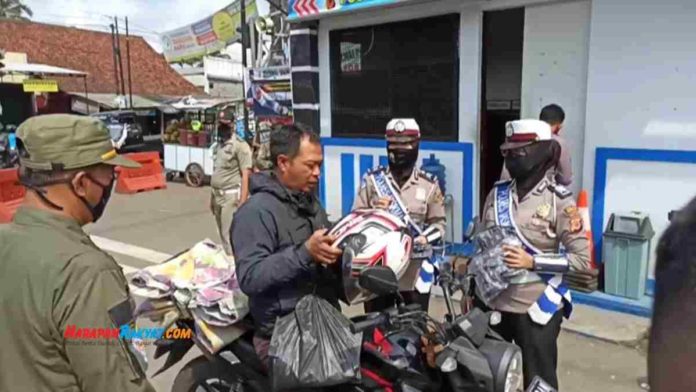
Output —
(400, 159)
(528, 165)
(98, 209)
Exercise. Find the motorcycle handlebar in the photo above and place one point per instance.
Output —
(360, 326)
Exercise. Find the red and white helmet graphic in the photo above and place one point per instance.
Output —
(375, 238)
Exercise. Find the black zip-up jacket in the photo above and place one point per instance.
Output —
(274, 267)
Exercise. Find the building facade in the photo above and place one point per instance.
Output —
(624, 75)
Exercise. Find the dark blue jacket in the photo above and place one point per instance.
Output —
(274, 267)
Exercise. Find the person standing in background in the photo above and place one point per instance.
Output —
(262, 147)
(230, 181)
(554, 116)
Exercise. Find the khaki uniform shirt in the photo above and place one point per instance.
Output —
(262, 154)
(564, 169)
(424, 203)
(53, 277)
(233, 157)
(547, 217)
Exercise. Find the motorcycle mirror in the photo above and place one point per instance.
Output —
(379, 280)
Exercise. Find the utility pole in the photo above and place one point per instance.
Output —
(130, 81)
(113, 50)
(242, 10)
(120, 59)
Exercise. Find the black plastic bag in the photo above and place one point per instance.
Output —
(314, 347)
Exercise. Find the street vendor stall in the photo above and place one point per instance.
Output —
(190, 142)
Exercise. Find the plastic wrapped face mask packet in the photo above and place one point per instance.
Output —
(491, 274)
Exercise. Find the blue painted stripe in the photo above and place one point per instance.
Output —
(602, 156)
(383, 160)
(650, 287)
(322, 182)
(617, 304)
(366, 163)
(467, 185)
(380, 143)
(347, 182)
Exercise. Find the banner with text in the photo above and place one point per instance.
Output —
(207, 36)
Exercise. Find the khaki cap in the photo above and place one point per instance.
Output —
(67, 141)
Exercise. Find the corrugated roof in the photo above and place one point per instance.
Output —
(90, 52)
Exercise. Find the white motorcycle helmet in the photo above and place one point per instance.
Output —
(370, 238)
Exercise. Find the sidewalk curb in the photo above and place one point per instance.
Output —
(631, 343)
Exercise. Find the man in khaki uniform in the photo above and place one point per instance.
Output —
(230, 181)
(419, 192)
(262, 147)
(52, 277)
(545, 217)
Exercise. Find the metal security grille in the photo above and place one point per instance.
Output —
(404, 69)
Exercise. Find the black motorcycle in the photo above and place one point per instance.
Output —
(471, 356)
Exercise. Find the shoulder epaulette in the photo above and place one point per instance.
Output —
(376, 170)
(428, 176)
(500, 182)
(560, 191)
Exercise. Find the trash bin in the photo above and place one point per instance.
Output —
(626, 251)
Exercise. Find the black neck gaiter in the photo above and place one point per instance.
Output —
(528, 165)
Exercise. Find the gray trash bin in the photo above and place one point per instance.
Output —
(625, 253)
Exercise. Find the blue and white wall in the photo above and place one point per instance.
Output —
(640, 138)
(348, 159)
(625, 73)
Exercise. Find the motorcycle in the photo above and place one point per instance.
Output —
(404, 349)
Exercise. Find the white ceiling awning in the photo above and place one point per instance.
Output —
(40, 69)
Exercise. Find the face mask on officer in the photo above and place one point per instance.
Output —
(96, 210)
(402, 155)
(529, 164)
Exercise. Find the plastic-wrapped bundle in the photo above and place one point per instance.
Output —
(314, 347)
(492, 275)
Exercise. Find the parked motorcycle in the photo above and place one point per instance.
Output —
(404, 349)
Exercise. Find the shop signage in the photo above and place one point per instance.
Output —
(302, 9)
(40, 86)
(269, 92)
(207, 36)
(351, 57)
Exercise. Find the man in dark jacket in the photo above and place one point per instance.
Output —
(279, 235)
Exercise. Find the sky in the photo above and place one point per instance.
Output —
(145, 17)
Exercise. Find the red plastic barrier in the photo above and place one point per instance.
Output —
(11, 194)
(147, 178)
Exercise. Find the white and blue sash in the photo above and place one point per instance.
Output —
(556, 292)
(385, 188)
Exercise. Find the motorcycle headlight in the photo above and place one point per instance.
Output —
(514, 379)
(505, 360)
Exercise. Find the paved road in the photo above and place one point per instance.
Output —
(170, 220)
